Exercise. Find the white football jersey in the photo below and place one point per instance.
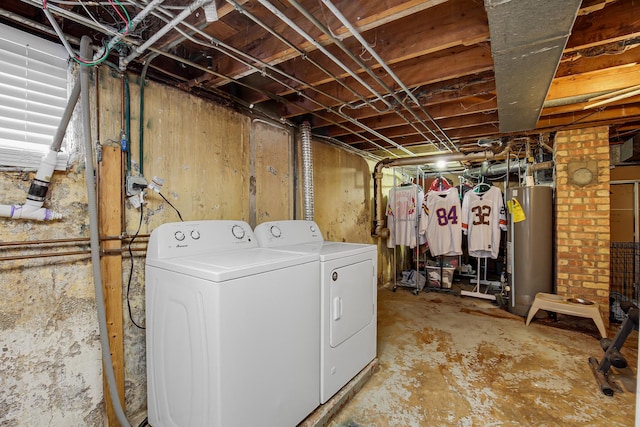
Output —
(404, 219)
(483, 216)
(444, 223)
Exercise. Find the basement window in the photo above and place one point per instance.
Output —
(34, 76)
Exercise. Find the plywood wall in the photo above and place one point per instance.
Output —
(343, 194)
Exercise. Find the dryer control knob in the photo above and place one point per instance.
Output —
(275, 231)
(312, 228)
(237, 231)
(179, 235)
(195, 234)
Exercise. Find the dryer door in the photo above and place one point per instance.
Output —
(351, 299)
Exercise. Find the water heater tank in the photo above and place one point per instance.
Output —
(530, 247)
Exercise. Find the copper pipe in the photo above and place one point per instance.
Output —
(71, 253)
(54, 254)
(41, 242)
(79, 240)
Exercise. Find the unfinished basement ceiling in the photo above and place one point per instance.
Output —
(394, 78)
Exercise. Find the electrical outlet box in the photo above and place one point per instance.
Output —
(135, 185)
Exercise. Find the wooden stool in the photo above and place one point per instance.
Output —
(558, 304)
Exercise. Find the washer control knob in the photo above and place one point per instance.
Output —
(312, 227)
(275, 231)
(195, 234)
(237, 231)
(179, 235)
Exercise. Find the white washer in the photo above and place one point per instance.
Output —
(348, 289)
(232, 329)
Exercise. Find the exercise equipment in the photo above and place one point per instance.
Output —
(612, 355)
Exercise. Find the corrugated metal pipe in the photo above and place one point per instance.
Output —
(307, 170)
(380, 230)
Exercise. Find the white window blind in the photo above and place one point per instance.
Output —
(33, 95)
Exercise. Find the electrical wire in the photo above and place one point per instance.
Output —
(72, 54)
(93, 63)
(126, 20)
(131, 270)
(174, 208)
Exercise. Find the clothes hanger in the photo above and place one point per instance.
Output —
(440, 184)
(481, 187)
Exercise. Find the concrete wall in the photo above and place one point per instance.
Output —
(217, 164)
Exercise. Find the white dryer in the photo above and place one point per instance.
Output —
(348, 289)
(232, 329)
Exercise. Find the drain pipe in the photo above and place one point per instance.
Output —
(380, 230)
(32, 209)
(107, 363)
(307, 170)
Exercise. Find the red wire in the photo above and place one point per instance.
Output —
(121, 16)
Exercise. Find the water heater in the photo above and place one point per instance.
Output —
(530, 247)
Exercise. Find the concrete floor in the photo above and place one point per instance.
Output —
(445, 360)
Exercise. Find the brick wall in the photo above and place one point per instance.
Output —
(582, 215)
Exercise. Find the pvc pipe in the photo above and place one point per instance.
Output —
(107, 362)
(32, 209)
(28, 212)
(66, 117)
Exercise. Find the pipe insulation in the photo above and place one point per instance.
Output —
(307, 170)
(107, 363)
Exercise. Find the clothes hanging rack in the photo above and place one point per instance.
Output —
(414, 273)
(476, 290)
(439, 184)
(484, 281)
(480, 188)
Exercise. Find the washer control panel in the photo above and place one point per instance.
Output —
(194, 237)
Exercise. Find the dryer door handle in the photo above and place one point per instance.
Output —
(337, 308)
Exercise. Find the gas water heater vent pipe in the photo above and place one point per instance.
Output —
(107, 363)
(307, 170)
(32, 209)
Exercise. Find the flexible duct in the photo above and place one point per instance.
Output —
(380, 230)
(107, 363)
(307, 170)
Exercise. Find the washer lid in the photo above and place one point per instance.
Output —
(228, 265)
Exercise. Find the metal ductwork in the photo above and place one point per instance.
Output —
(527, 41)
